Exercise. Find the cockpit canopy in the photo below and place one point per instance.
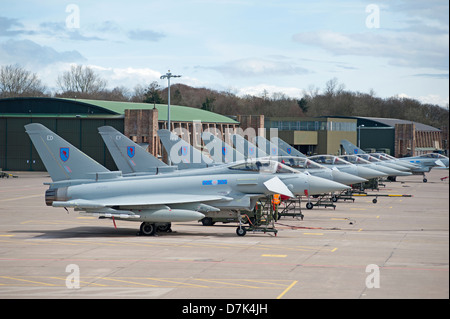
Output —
(380, 156)
(299, 162)
(328, 160)
(369, 158)
(433, 155)
(354, 159)
(263, 166)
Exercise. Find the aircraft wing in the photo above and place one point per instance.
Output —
(276, 186)
(140, 200)
(440, 163)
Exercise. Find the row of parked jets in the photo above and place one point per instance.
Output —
(149, 191)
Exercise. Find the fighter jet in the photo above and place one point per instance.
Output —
(269, 147)
(303, 164)
(220, 151)
(415, 164)
(354, 159)
(181, 153)
(344, 166)
(129, 157)
(247, 148)
(141, 162)
(81, 183)
(282, 145)
(306, 165)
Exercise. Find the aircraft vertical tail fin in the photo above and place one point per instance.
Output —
(351, 148)
(219, 150)
(247, 148)
(62, 160)
(270, 147)
(290, 150)
(128, 156)
(182, 153)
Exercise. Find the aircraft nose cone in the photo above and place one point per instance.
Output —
(397, 167)
(346, 178)
(391, 171)
(369, 173)
(318, 185)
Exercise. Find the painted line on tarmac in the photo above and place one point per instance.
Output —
(287, 289)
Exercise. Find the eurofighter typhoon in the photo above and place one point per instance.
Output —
(81, 183)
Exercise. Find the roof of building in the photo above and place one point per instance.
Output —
(389, 122)
(65, 107)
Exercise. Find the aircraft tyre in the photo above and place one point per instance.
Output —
(167, 227)
(241, 231)
(148, 229)
(425, 180)
(309, 205)
(207, 221)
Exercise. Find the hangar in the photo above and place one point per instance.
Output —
(399, 137)
(77, 120)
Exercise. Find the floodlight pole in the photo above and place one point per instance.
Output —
(167, 76)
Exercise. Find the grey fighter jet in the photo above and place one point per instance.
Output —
(181, 153)
(139, 162)
(282, 145)
(303, 164)
(219, 150)
(270, 147)
(344, 166)
(357, 160)
(81, 183)
(418, 165)
(129, 157)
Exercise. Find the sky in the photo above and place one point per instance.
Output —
(388, 47)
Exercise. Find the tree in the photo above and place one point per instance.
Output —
(81, 82)
(303, 104)
(208, 104)
(16, 81)
(152, 95)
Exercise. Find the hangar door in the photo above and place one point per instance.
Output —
(17, 153)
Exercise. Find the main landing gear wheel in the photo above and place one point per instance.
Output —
(148, 229)
(309, 205)
(241, 231)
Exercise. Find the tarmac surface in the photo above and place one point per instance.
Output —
(396, 248)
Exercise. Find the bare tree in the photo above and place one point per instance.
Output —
(138, 94)
(16, 81)
(81, 81)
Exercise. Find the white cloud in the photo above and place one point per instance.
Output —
(258, 90)
(30, 54)
(128, 77)
(252, 67)
(434, 99)
(408, 49)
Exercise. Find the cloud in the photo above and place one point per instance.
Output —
(260, 89)
(427, 99)
(59, 30)
(27, 52)
(409, 49)
(145, 35)
(432, 75)
(12, 27)
(252, 67)
(127, 77)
